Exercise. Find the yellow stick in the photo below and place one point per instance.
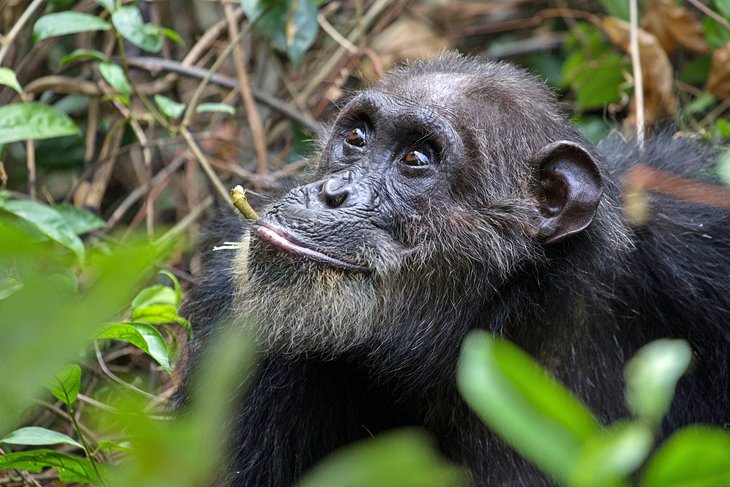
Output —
(239, 201)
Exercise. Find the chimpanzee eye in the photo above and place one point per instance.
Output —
(416, 158)
(356, 137)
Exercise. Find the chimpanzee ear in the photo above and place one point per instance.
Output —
(568, 190)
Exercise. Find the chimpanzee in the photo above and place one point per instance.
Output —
(455, 195)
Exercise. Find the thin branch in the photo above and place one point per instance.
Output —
(155, 64)
(252, 112)
(205, 165)
(7, 41)
(636, 67)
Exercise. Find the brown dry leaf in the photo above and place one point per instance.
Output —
(659, 100)
(673, 24)
(718, 83)
(406, 38)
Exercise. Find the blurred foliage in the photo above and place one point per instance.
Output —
(541, 419)
(116, 114)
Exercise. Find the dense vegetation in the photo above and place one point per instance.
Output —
(123, 122)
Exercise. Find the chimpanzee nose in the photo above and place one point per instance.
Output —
(338, 191)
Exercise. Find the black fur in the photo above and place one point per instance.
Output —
(582, 306)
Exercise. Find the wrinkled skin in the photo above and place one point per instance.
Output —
(454, 195)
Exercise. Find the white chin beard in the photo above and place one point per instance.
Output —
(318, 311)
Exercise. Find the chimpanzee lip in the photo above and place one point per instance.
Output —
(284, 241)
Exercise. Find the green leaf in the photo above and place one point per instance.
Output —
(33, 435)
(403, 458)
(616, 8)
(523, 404)
(65, 386)
(301, 29)
(83, 54)
(170, 34)
(291, 24)
(695, 456)
(651, 376)
(143, 336)
(176, 286)
(47, 221)
(158, 304)
(215, 107)
(114, 75)
(23, 121)
(80, 221)
(63, 23)
(715, 33)
(128, 22)
(7, 78)
(723, 6)
(611, 456)
(70, 467)
(109, 5)
(169, 107)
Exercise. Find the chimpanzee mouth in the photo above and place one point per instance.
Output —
(283, 241)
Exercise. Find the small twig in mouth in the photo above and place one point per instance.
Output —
(241, 203)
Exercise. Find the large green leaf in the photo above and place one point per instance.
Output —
(63, 23)
(652, 375)
(23, 121)
(158, 304)
(47, 221)
(404, 458)
(128, 22)
(143, 336)
(523, 404)
(8, 78)
(696, 456)
(33, 435)
(65, 385)
(70, 467)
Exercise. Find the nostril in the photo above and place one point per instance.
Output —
(334, 192)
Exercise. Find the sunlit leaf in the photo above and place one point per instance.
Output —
(169, 107)
(143, 336)
(47, 221)
(62, 23)
(523, 404)
(696, 456)
(651, 376)
(83, 54)
(24, 121)
(70, 467)
(33, 435)
(114, 75)
(403, 458)
(65, 385)
(7, 78)
(128, 22)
